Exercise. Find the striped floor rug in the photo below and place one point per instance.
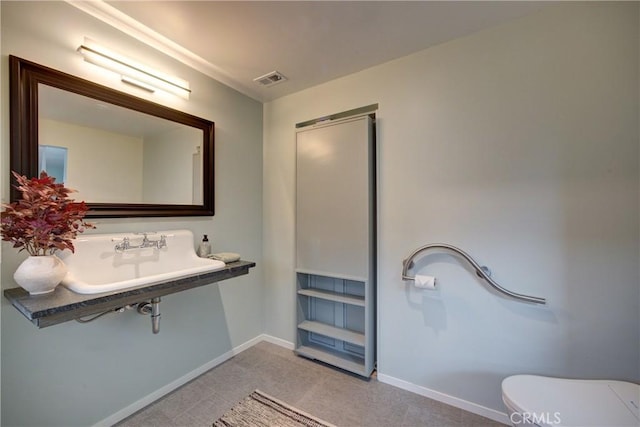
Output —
(261, 410)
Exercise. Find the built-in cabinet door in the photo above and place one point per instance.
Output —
(333, 198)
(335, 243)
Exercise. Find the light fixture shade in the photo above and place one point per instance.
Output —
(132, 72)
(137, 83)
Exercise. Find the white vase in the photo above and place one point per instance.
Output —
(40, 274)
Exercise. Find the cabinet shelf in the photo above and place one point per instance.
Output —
(333, 296)
(333, 332)
(342, 360)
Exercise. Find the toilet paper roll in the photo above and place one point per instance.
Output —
(425, 282)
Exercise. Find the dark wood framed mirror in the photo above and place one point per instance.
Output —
(126, 156)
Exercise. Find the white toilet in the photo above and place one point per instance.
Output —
(534, 400)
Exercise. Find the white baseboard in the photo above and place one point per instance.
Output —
(474, 408)
(150, 398)
(405, 385)
(277, 341)
(465, 405)
(244, 346)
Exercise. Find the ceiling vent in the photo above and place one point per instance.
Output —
(270, 79)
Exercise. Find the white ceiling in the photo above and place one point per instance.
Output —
(310, 42)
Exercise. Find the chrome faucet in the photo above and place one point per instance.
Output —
(125, 244)
(158, 244)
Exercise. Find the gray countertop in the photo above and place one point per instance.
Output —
(63, 305)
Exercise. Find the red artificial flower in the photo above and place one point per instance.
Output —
(45, 219)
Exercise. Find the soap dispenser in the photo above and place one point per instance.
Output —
(204, 250)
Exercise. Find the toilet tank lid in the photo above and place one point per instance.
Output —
(568, 402)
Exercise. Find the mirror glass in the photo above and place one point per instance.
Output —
(116, 155)
(125, 156)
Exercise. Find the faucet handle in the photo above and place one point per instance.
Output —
(122, 246)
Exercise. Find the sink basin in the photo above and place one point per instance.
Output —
(97, 267)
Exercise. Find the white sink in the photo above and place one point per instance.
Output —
(97, 267)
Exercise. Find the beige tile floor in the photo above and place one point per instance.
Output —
(322, 391)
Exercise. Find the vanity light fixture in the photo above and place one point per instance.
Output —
(132, 72)
(137, 83)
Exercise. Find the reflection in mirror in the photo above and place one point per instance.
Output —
(53, 160)
(126, 156)
(116, 155)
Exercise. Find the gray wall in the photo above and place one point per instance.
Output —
(520, 145)
(78, 375)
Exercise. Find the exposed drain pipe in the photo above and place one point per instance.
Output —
(152, 308)
(155, 315)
